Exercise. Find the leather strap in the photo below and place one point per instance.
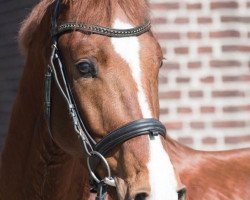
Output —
(100, 30)
(151, 127)
(133, 129)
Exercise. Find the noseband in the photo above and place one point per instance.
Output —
(93, 149)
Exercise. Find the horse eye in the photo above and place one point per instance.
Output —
(87, 68)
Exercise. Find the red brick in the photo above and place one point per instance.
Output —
(197, 125)
(242, 78)
(167, 35)
(170, 95)
(237, 139)
(184, 110)
(204, 20)
(171, 66)
(194, 6)
(181, 50)
(163, 80)
(205, 49)
(194, 35)
(228, 93)
(186, 140)
(194, 65)
(159, 20)
(236, 48)
(224, 5)
(164, 6)
(207, 79)
(225, 63)
(182, 80)
(181, 20)
(209, 140)
(164, 111)
(229, 124)
(174, 125)
(235, 19)
(207, 109)
(224, 34)
(234, 109)
(196, 94)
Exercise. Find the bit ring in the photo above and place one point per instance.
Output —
(92, 174)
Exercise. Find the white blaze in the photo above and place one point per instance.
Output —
(129, 49)
(161, 174)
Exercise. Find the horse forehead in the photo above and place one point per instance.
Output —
(144, 46)
(79, 44)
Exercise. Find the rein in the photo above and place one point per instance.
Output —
(56, 70)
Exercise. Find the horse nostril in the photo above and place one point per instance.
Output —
(141, 196)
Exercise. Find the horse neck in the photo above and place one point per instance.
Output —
(179, 154)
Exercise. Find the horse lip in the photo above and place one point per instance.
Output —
(121, 188)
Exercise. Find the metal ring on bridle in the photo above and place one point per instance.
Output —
(95, 153)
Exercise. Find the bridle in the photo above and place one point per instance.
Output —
(151, 127)
(100, 149)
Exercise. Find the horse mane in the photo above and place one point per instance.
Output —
(92, 11)
(31, 23)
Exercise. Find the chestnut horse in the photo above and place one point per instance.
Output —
(111, 77)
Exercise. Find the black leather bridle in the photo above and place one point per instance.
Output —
(56, 69)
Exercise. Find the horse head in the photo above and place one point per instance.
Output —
(102, 83)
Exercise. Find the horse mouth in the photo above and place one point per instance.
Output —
(124, 193)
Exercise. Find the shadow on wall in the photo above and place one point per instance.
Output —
(12, 14)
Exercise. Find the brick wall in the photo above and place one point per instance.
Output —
(204, 90)
(205, 80)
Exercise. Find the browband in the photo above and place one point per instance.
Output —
(100, 30)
